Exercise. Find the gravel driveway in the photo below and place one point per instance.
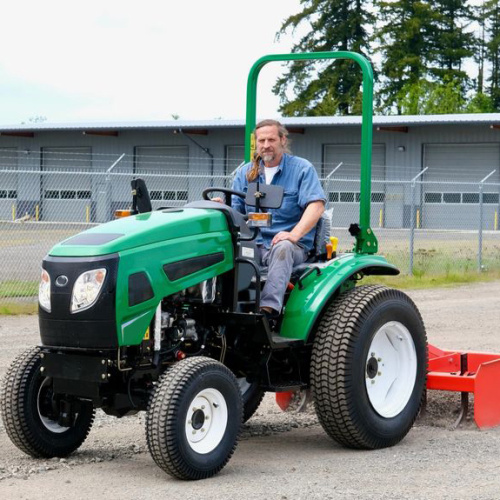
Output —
(287, 455)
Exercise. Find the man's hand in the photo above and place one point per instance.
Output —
(217, 199)
(284, 235)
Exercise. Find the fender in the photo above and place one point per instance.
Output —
(305, 305)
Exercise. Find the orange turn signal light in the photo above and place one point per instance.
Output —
(122, 213)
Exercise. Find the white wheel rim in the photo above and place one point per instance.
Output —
(391, 369)
(48, 423)
(206, 421)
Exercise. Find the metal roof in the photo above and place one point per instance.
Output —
(319, 121)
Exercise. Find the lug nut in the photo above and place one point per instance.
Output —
(189, 422)
(194, 432)
(42, 369)
(202, 430)
(42, 355)
(379, 373)
(103, 376)
(103, 362)
(207, 417)
(203, 407)
(373, 381)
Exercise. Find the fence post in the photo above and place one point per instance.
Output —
(327, 184)
(480, 233)
(105, 199)
(412, 217)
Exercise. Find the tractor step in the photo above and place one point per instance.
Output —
(279, 342)
(466, 372)
(288, 387)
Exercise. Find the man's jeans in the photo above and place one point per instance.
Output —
(280, 260)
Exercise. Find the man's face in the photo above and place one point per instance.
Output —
(270, 146)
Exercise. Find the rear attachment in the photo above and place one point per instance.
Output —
(468, 372)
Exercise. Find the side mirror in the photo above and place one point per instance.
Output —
(264, 195)
(141, 202)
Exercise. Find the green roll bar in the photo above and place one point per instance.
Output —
(366, 242)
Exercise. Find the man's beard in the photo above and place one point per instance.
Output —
(267, 157)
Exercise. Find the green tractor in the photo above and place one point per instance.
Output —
(159, 312)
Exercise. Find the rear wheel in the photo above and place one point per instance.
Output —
(194, 418)
(39, 422)
(368, 367)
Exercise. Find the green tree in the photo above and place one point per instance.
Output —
(492, 14)
(404, 34)
(452, 42)
(331, 87)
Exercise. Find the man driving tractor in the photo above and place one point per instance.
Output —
(289, 240)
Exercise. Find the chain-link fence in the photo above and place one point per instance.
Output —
(422, 227)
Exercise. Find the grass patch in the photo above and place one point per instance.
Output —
(14, 288)
(423, 280)
(14, 308)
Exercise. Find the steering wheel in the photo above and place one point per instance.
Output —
(226, 191)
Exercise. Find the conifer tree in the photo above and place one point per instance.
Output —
(331, 87)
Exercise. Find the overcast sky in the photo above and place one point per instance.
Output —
(102, 60)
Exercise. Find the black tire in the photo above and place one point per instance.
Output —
(252, 396)
(29, 415)
(174, 421)
(343, 369)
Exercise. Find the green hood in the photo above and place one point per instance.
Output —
(139, 230)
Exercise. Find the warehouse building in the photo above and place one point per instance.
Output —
(447, 157)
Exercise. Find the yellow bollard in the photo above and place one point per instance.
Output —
(381, 219)
(418, 218)
(13, 212)
(87, 213)
(37, 213)
(495, 224)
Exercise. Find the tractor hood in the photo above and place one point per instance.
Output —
(139, 230)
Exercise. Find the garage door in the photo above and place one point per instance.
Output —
(343, 191)
(8, 182)
(165, 169)
(66, 196)
(451, 188)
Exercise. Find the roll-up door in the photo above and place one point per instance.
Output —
(343, 190)
(8, 183)
(450, 192)
(165, 169)
(66, 196)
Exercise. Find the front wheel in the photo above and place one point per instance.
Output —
(194, 418)
(35, 418)
(368, 367)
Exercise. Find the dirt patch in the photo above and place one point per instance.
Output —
(288, 455)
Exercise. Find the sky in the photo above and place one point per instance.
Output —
(110, 60)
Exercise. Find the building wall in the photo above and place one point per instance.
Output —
(404, 159)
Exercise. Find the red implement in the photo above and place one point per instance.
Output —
(468, 372)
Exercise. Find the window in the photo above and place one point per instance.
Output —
(491, 198)
(470, 197)
(84, 195)
(451, 197)
(156, 195)
(433, 197)
(52, 194)
(333, 197)
(68, 195)
(378, 197)
(347, 197)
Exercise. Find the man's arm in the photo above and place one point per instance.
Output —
(309, 219)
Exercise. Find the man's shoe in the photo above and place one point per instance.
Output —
(272, 318)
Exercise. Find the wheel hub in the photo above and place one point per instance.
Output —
(198, 419)
(372, 367)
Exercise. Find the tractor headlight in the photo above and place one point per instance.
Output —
(86, 289)
(44, 291)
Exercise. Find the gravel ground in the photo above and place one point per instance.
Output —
(287, 455)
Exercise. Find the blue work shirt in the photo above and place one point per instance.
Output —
(301, 187)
